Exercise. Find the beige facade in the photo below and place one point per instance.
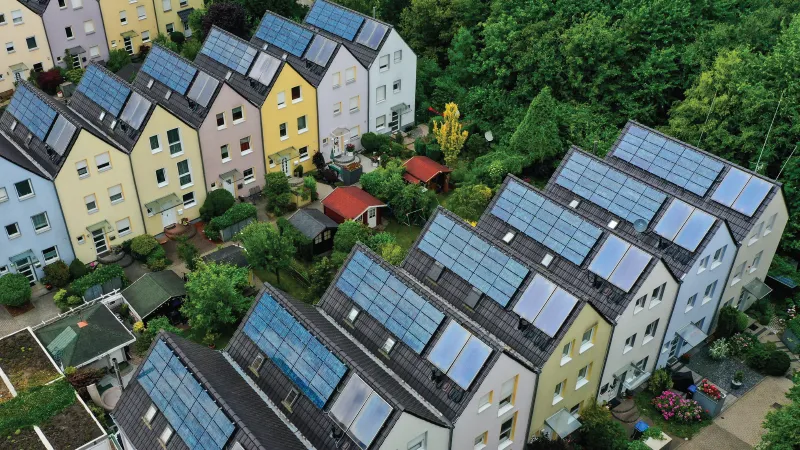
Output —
(25, 47)
(129, 23)
(167, 15)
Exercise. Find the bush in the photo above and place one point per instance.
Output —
(319, 161)
(14, 290)
(50, 80)
(65, 301)
(742, 343)
(777, 364)
(372, 142)
(142, 246)
(146, 336)
(157, 259)
(281, 204)
(56, 274)
(178, 38)
(420, 147)
(100, 275)
(117, 59)
(727, 324)
(660, 381)
(720, 349)
(75, 75)
(673, 407)
(188, 252)
(217, 202)
(77, 269)
(757, 358)
(599, 430)
(234, 215)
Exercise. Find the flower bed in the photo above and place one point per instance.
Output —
(644, 402)
(710, 389)
(673, 407)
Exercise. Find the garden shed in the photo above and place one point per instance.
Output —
(429, 173)
(353, 203)
(152, 290)
(233, 255)
(317, 227)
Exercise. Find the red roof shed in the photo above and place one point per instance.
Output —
(349, 202)
(424, 169)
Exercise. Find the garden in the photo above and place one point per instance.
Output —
(668, 410)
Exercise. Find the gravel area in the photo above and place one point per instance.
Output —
(721, 372)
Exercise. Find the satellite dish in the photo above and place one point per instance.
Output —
(489, 136)
(640, 225)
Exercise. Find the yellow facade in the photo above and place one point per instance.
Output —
(24, 41)
(280, 112)
(94, 228)
(139, 24)
(159, 165)
(576, 389)
(167, 14)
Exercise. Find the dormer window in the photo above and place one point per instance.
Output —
(508, 237)
(29, 138)
(228, 75)
(168, 95)
(13, 125)
(113, 124)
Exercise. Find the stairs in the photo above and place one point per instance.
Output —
(626, 412)
(178, 230)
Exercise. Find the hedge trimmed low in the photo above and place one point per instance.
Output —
(15, 290)
(101, 275)
(236, 214)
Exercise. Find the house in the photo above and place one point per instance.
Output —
(390, 62)
(185, 394)
(76, 27)
(233, 255)
(152, 290)
(129, 25)
(35, 231)
(429, 173)
(26, 47)
(91, 171)
(317, 227)
(339, 78)
(173, 15)
(88, 337)
(353, 203)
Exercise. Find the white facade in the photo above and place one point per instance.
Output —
(383, 77)
(410, 431)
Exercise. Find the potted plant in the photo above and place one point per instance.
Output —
(736, 383)
(350, 148)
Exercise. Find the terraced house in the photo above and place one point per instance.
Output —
(173, 15)
(129, 24)
(75, 27)
(91, 171)
(26, 49)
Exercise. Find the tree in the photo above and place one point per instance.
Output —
(214, 297)
(14, 290)
(77, 269)
(230, 16)
(217, 202)
(277, 192)
(320, 277)
(300, 241)
(783, 425)
(145, 337)
(56, 274)
(286, 8)
(536, 137)
(384, 182)
(178, 38)
(188, 252)
(265, 248)
(50, 80)
(449, 134)
(309, 188)
(196, 24)
(470, 201)
(599, 431)
(348, 234)
(165, 41)
(117, 59)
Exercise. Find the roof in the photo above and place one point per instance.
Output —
(37, 6)
(311, 222)
(83, 336)
(11, 153)
(739, 224)
(185, 13)
(424, 169)
(232, 254)
(152, 290)
(350, 201)
(257, 426)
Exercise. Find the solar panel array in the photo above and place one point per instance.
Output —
(320, 50)
(300, 356)
(265, 68)
(233, 52)
(473, 259)
(372, 34)
(741, 191)
(203, 88)
(386, 298)
(103, 89)
(282, 33)
(61, 135)
(335, 19)
(459, 354)
(610, 189)
(360, 411)
(669, 160)
(619, 262)
(169, 69)
(545, 305)
(189, 409)
(135, 110)
(546, 222)
(684, 225)
(31, 111)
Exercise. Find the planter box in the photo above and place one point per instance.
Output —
(791, 340)
(350, 177)
(714, 407)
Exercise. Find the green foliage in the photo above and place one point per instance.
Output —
(470, 201)
(178, 38)
(101, 274)
(309, 189)
(278, 193)
(14, 290)
(191, 48)
(77, 269)
(157, 260)
(143, 245)
(320, 277)
(599, 430)
(720, 349)
(536, 137)
(659, 382)
(300, 242)
(56, 274)
(74, 75)
(783, 425)
(237, 213)
(373, 142)
(637, 445)
(35, 406)
(146, 336)
(164, 41)
(384, 183)
(545, 443)
(265, 248)
(348, 234)
(117, 59)
(196, 24)
(188, 252)
(410, 203)
(393, 254)
(217, 202)
(65, 301)
(653, 433)
(777, 364)
(214, 297)
(757, 358)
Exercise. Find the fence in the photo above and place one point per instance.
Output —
(111, 299)
(227, 234)
(99, 290)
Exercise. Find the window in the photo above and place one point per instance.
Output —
(738, 273)
(297, 94)
(249, 175)
(396, 86)
(62, 3)
(166, 5)
(82, 168)
(226, 156)
(237, 114)
(756, 262)
(642, 364)
(583, 376)
(150, 414)
(165, 435)
(566, 353)
(155, 144)
(481, 440)
(38, 67)
(658, 295)
(161, 177)
(146, 36)
(50, 255)
(24, 189)
(77, 4)
(282, 131)
(354, 133)
(10, 47)
(124, 227)
(302, 125)
(94, 51)
(184, 173)
(384, 63)
(174, 139)
(398, 56)
(271, 162)
(418, 443)
(3, 195)
(350, 74)
(115, 194)
(709, 294)
(354, 104)
(220, 120)
(88, 27)
(650, 331)
(141, 12)
(258, 361)
(629, 343)
(244, 146)
(326, 235)
(2, 22)
(690, 303)
(507, 395)
(337, 79)
(188, 200)
(12, 230)
(587, 340)
(114, 45)
(380, 94)
(170, 28)
(352, 315)
(303, 153)
(704, 263)
(281, 99)
(507, 430)
(31, 43)
(718, 255)
(91, 203)
(639, 304)
(103, 162)
(123, 17)
(388, 346)
(290, 399)
(68, 32)
(380, 122)
(40, 222)
(485, 402)
(16, 17)
(557, 392)
(770, 222)
(756, 233)
(337, 108)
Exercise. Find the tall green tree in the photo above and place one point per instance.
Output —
(214, 297)
(783, 425)
(348, 233)
(537, 138)
(470, 201)
(265, 248)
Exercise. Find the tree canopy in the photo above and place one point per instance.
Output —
(214, 297)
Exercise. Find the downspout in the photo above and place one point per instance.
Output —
(63, 218)
(133, 175)
(528, 431)
(605, 360)
(669, 320)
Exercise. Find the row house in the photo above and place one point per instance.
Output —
(75, 27)
(26, 48)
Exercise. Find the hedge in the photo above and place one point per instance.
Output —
(237, 213)
(35, 406)
(14, 289)
(100, 275)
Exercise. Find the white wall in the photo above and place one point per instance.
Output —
(408, 428)
(405, 70)
(327, 96)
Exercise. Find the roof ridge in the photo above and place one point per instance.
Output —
(125, 83)
(363, 16)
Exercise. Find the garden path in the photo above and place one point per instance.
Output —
(43, 309)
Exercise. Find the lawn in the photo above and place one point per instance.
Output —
(682, 430)
(288, 283)
(405, 234)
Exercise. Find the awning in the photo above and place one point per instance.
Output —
(74, 51)
(229, 174)
(691, 335)
(18, 67)
(163, 204)
(340, 131)
(23, 258)
(129, 34)
(401, 108)
(184, 14)
(103, 224)
(288, 153)
(563, 423)
(757, 289)
(784, 280)
(634, 376)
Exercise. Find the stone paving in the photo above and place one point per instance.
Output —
(43, 309)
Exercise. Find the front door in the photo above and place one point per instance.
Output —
(168, 217)
(99, 238)
(285, 167)
(337, 148)
(621, 381)
(19, 76)
(27, 269)
(229, 186)
(675, 346)
(128, 45)
(394, 125)
(372, 217)
(187, 31)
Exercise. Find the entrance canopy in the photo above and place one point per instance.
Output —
(563, 423)
(18, 67)
(340, 132)
(757, 289)
(692, 335)
(401, 108)
(103, 224)
(288, 153)
(634, 376)
(23, 258)
(129, 34)
(75, 51)
(229, 174)
(163, 204)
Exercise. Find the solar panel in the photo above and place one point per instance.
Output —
(741, 191)
(390, 301)
(320, 50)
(669, 160)
(203, 88)
(334, 19)
(610, 189)
(302, 357)
(545, 305)
(473, 259)
(103, 89)
(546, 222)
(231, 51)
(169, 69)
(360, 411)
(372, 34)
(190, 410)
(135, 110)
(459, 354)
(61, 135)
(284, 34)
(535, 296)
(31, 111)
(265, 68)
(619, 262)
(684, 225)
(555, 312)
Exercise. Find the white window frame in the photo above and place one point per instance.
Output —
(68, 31)
(35, 43)
(192, 201)
(650, 331)
(347, 78)
(225, 150)
(141, 12)
(357, 107)
(337, 108)
(388, 345)
(104, 160)
(558, 392)
(89, 199)
(586, 344)
(485, 402)
(383, 63)
(3, 195)
(166, 435)
(756, 234)
(150, 414)
(249, 142)
(82, 165)
(189, 173)
(508, 392)
(380, 94)
(704, 263)
(630, 342)
(179, 143)
(711, 289)
(123, 17)
(281, 97)
(718, 255)
(26, 196)
(566, 353)
(303, 152)
(13, 235)
(756, 261)
(398, 56)
(397, 86)
(46, 221)
(283, 133)
(233, 115)
(217, 119)
(53, 259)
(583, 379)
(690, 302)
(658, 295)
(639, 305)
(770, 224)
(145, 36)
(111, 196)
(88, 27)
(166, 177)
(16, 17)
(249, 178)
(305, 124)
(353, 314)
(380, 122)
(738, 273)
(122, 230)
(298, 99)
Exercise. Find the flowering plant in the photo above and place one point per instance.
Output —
(673, 406)
(741, 343)
(720, 349)
(710, 389)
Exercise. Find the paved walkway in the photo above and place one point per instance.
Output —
(43, 309)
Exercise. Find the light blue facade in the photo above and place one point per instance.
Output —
(24, 252)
